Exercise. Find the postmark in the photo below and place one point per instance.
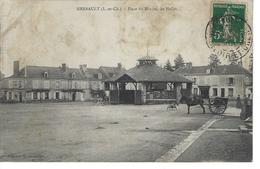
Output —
(227, 33)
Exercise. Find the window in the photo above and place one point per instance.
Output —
(86, 85)
(75, 85)
(230, 81)
(35, 95)
(95, 76)
(17, 84)
(57, 84)
(106, 86)
(46, 95)
(46, 84)
(20, 85)
(230, 92)
(14, 84)
(45, 74)
(35, 84)
(222, 92)
(215, 92)
(73, 75)
(99, 75)
(10, 96)
(111, 74)
(184, 85)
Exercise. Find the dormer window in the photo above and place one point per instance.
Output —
(45, 74)
(73, 75)
(111, 74)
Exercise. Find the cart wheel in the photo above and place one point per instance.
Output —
(217, 109)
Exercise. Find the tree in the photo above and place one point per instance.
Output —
(179, 62)
(214, 60)
(168, 65)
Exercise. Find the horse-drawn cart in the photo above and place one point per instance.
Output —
(218, 105)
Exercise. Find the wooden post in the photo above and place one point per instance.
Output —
(177, 88)
(118, 94)
(135, 84)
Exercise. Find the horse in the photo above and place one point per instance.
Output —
(193, 101)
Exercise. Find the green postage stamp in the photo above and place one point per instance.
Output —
(228, 33)
(228, 25)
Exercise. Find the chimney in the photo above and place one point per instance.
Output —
(16, 68)
(63, 67)
(189, 65)
(119, 66)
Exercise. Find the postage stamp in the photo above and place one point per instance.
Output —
(228, 27)
(227, 33)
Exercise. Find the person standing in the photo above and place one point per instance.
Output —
(245, 100)
(238, 105)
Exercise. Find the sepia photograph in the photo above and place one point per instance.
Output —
(126, 81)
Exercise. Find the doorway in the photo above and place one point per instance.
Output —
(74, 96)
(204, 91)
(222, 92)
(20, 97)
(127, 96)
(57, 95)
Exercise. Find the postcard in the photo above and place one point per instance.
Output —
(126, 80)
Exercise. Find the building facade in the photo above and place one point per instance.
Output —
(218, 81)
(42, 83)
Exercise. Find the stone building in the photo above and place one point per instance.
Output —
(221, 80)
(43, 83)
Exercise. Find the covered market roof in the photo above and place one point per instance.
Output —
(147, 71)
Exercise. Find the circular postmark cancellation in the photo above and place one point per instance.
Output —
(227, 33)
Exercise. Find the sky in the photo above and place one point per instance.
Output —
(52, 32)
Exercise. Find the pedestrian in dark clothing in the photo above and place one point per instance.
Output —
(248, 109)
(245, 100)
(238, 105)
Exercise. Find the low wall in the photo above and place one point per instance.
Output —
(160, 101)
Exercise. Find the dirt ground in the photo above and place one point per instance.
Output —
(85, 132)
